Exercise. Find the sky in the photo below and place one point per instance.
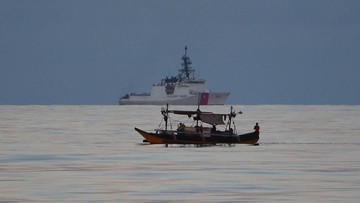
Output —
(262, 52)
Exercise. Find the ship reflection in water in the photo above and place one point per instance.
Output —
(184, 89)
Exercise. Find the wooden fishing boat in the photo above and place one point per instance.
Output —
(204, 131)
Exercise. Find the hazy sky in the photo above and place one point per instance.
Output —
(263, 52)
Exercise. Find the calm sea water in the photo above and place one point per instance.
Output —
(93, 154)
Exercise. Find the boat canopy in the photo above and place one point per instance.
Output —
(212, 118)
(206, 117)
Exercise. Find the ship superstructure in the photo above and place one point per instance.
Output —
(183, 89)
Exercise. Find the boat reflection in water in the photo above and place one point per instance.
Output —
(203, 132)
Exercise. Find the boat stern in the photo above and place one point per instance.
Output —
(250, 138)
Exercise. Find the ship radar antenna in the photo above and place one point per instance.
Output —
(186, 64)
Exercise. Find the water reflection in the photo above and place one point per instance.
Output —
(92, 153)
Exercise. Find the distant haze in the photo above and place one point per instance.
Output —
(263, 52)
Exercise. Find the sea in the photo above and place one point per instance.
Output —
(50, 153)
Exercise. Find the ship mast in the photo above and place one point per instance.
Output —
(186, 64)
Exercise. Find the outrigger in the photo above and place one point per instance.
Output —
(198, 134)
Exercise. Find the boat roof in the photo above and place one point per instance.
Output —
(213, 118)
(189, 113)
(206, 117)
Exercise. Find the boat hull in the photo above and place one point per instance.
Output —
(174, 137)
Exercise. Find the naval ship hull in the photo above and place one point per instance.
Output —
(205, 98)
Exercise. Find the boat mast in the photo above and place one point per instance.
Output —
(230, 117)
(186, 64)
(165, 113)
(198, 114)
